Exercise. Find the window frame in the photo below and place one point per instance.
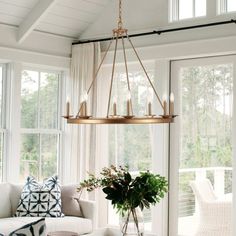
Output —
(175, 132)
(3, 128)
(222, 8)
(159, 141)
(41, 131)
(174, 12)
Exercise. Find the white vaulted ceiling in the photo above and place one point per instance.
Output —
(63, 17)
(86, 19)
(14, 11)
(71, 17)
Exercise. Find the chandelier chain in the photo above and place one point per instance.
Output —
(120, 23)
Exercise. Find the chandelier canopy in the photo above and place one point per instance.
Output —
(83, 117)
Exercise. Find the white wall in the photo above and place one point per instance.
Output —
(181, 50)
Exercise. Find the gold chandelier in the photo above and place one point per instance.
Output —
(83, 117)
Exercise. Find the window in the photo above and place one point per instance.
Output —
(185, 9)
(131, 145)
(2, 118)
(225, 6)
(40, 128)
(204, 136)
(231, 5)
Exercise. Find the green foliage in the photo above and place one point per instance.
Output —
(206, 125)
(125, 192)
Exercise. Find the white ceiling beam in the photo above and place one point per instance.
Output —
(33, 18)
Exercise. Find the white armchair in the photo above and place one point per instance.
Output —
(215, 215)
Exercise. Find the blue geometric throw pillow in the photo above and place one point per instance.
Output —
(37, 228)
(40, 200)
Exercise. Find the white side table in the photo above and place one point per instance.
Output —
(111, 232)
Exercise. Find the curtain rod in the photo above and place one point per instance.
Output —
(159, 32)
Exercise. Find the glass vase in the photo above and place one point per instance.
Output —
(131, 222)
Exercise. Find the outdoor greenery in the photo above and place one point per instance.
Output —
(206, 126)
(206, 100)
(39, 110)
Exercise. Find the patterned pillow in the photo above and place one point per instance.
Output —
(36, 228)
(40, 200)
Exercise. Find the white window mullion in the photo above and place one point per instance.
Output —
(3, 131)
(13, 154)
(60, 141)
(40, 156)
(177, 9)
(234, 147)
(4, 157)
(159, 139)
(194, 8)
(62, 165)
(59, 155)
(38, 104)
(60, 96)
(174, 10)
(222, 6)
(4, 96)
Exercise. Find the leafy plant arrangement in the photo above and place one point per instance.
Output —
(127, 193)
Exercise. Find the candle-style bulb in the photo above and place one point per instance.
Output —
(82, 98)
(67, 107)
(129, 96)
(172, 99)
(85, 97)
(164, 99)
(114, 106)
(129, 108)
(83, 110)
(115, 99)
(149, 108)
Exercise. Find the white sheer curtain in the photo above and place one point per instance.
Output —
(87, 151)
(85, 60)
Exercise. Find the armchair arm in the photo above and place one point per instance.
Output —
(88, 209)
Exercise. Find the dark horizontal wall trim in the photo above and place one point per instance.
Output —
(159, 32)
